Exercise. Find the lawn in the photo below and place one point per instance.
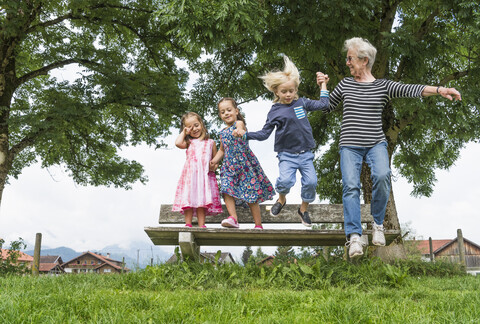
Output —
(339, 292)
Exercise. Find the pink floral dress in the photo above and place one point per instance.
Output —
(197, 186)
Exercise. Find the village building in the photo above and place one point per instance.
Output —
(51, 264)
(90, 262)
(448, 250)
(23, 258)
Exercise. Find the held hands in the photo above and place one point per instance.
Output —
(213, 165)
(449, 93)
(238, 132)
(322, 78)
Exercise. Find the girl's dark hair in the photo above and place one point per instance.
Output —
(234, 103)
(200, 120)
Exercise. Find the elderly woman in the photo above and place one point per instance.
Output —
(361, 138)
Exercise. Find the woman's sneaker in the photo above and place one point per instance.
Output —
(355, 247)
(378, 236)
(230, 222)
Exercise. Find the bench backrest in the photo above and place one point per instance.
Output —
(319, 213)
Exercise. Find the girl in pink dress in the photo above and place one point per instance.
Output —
(197, 191)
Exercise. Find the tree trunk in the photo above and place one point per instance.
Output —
(8, 84)
(4, 145)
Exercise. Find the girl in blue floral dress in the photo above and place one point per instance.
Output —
(241, 175)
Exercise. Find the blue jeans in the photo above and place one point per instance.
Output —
(351, 159)
(288, 164)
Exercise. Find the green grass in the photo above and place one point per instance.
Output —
(335, 292)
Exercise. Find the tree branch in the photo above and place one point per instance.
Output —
(49, 23)
(71, 15)
(28, 140)
(44, 70)
(454, 76)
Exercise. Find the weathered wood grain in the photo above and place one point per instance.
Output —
(319, 213)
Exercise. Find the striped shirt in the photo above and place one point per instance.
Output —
(363, 104)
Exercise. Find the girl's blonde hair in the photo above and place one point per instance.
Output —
(234, 103)
(188, 138)
(271, 80)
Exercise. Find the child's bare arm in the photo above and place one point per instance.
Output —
(218, 156)
(180, 141)
(214, 166)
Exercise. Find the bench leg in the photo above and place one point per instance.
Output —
(188, 246)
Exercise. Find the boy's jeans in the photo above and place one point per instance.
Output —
(288, 164)
(351, 159)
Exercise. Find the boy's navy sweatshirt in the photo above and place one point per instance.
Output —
(293, 133)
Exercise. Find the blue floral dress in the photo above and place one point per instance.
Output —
(241, 175)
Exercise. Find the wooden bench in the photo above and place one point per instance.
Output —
(190, 239)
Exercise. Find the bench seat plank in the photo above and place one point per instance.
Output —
(319, 213)
(253, 237)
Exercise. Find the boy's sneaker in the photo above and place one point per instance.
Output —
(230, 222)
(305, 218)
(276, 208)
(355, 246)
(378, 237)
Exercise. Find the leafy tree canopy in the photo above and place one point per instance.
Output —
(425, 42)
(128, 90)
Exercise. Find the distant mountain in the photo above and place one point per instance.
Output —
(64, 252)
(138, 254)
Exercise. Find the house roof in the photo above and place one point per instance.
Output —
(46, 267)
(50, 259)
(424, 246)
(99, 257)
(270, 257)
(223, 256)
(23, 257)
(438, 245)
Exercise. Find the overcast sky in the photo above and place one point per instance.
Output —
(89, 218)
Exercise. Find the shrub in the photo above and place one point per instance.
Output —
(10, 264)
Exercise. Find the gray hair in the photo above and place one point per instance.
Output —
(363, 48)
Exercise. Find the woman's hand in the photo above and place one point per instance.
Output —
(449, 93)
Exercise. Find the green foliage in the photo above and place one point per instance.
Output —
(127, 89)
(247, 253)
(315, 274)
(285, 254)
(10, 265)
(439, 268)
(425, 42)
